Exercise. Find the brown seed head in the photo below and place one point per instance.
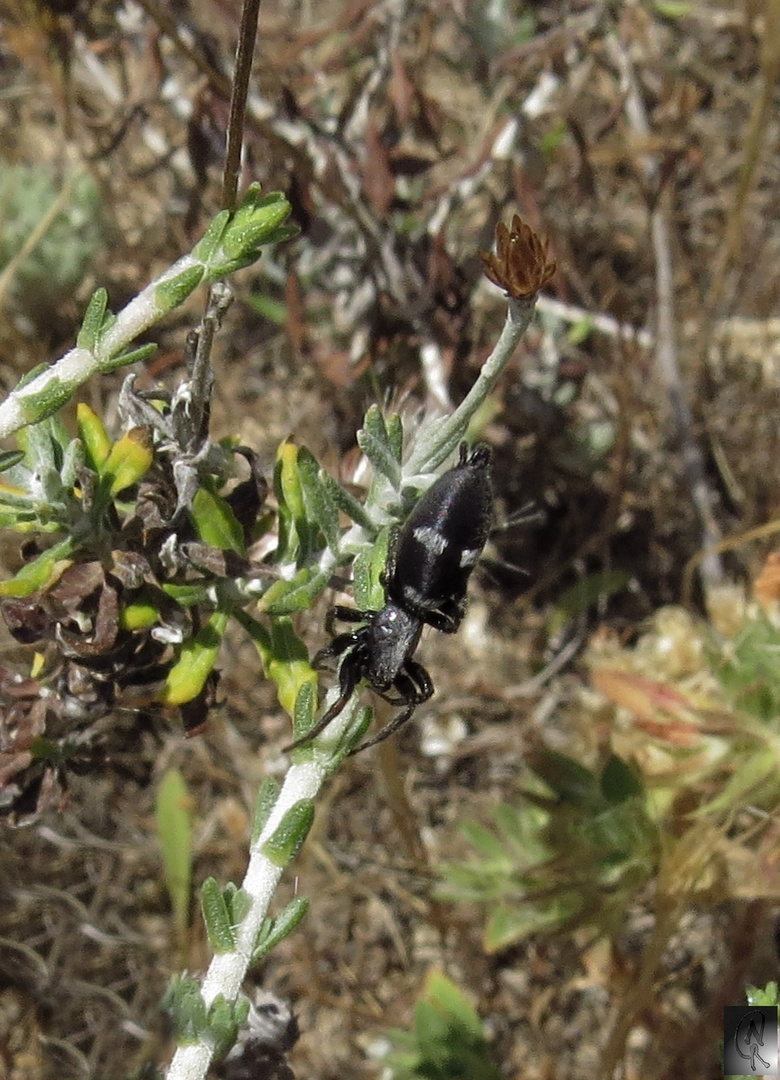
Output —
(521, 265)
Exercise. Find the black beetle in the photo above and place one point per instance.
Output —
(425, 579)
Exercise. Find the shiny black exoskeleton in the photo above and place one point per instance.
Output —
(425, 581)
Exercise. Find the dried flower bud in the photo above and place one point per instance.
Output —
(521, 266)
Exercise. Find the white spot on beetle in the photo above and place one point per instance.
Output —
(413, 597)
(469, 556)
(430, 539)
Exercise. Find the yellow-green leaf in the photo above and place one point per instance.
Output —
(128, 460)
(188, 675)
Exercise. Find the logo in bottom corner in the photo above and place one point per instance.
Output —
(750, 1040)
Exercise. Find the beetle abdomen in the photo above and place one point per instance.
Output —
(443, 537)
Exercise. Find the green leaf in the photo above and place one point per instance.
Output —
(128, 461)
(619, 781)
(448, 999)
(93, 434)
(196, 660)
(173, 814)
(217, 917)
(672, 9)
(289, 497)
(131, 356)
(305, 707)
(277, 929)
(320, 509)
(288, 597)
(507, 926)
(94, 318)
(374, 441)
(215, 522)
(223, 1023)
(284, 656)
(265, 801)
(172, 292)
(43, 403)
(266, 306)
(395, 436)
(40, 572)
(367, 573)
(207, 245)
(10, 458)
(140, 614)
(590, 590)
(569, 780)
(348, 504)
(282, 847)
(254, 223)
(184, 1002)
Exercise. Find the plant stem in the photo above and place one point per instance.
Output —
(227, 970)
(440, 439)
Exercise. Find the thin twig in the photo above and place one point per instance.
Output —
(247, 36)
(711, 568)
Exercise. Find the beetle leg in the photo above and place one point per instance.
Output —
(388, 730)
(339, 645)
(344, 614)
(447, 617)
(350, 674)
(415, 686)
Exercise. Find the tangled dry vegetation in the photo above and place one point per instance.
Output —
(639, 420)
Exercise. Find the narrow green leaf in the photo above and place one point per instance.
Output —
(265, 801)
(395, 436)
(347, 503)
(196, 660)
(321, 511)
(217, 917)
(215, 522)
(173, 292)
(288, 597)
(238, 902)
(449, 999)
(173, 814)
(93, 434)
(223, 1022)
(184, 1002)
(368, 571)
(303, 713)
(131, 356)
(41, 571)
(284, 656)
(277, 929)
(288, 839)
(207, 245)
(254, 223)
(128, 461)
(93, 320)
(373, 440)
(47, 401)
(9, 458)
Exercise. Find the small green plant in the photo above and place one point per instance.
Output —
(447, 1040)
(50, 238)
(573, 853)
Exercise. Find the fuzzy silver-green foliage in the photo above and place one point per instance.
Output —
(57, 263)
